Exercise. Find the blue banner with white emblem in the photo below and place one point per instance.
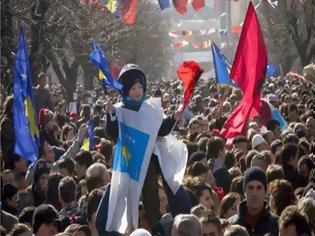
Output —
(129, 151)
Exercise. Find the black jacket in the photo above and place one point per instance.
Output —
(223, 179)
(7, 140)
(292, 175)
(42, 99)
(49, 137)
(267, 224)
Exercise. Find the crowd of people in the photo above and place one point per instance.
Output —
(263, 183)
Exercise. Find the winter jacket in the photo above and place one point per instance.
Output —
(7, 138)
(292, 175)
(48, 137)
(267, 224)
(42, 99)
(221, 175)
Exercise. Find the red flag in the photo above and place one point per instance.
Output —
(180, 6)
(129, 11)
(189, 72)
(198, 4)
(248, 71)
(115, 69)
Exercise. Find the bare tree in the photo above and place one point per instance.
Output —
(7, 45)
(290, 31)
(61, 33)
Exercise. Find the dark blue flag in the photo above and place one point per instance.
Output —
(164, 4)
(98, 58)
(222, 67)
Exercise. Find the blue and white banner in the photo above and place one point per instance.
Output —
(137, 141)
(137, 137)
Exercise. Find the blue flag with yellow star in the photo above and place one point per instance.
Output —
(131, 158)
(25, 125)
(98, 58)
(89, 141)
(222, 67)
(129, 151)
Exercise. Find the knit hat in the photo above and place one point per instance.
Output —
(254, 173)
(257, 140)
(44, 214)
(8, 191)
(130, 75)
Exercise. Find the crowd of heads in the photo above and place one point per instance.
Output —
(266, 172)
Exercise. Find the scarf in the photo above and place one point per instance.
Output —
(131, 104)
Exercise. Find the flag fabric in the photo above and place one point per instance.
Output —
(172, 155)
(115, 68)
(125, 10)
(271, 70)
(112, 5)
(276, 115)
(25, 125)
(132, 155)
(128, 9)
(189, 72)
(198, 4)
(180, 6)
(164, 4)
(136, 143)
(273, 3)
(222, 67)
(101, 77)
(268, 112)
(89, 141)
(98, 58)
(248, 71)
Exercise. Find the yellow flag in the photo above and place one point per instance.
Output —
(112, 5)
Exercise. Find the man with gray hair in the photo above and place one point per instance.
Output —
(186, 225)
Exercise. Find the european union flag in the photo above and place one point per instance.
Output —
(98, 58)
(25, 127)
(222, 67)
(129, 151)
(89, 142)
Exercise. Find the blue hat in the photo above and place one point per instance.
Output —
(255, 173)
